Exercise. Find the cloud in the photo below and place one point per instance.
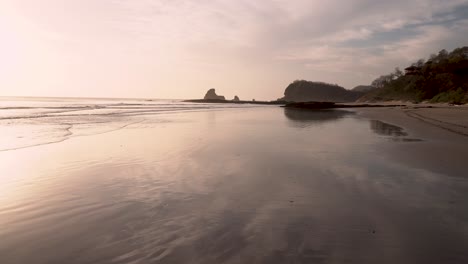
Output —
(373, 37)
(253, 44)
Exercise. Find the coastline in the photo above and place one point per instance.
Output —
(449, 118)
(444, 116)
(220, 101)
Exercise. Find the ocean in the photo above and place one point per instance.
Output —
(32, 121)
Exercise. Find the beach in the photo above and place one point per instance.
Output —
(171, 182)
(444, 127)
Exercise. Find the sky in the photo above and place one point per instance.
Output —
(178, 49)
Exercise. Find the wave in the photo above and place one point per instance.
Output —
(42, 122)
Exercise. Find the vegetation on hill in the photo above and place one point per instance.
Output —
(304, 91)
(442, 78)
(363, 88)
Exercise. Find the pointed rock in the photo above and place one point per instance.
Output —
(211, 95)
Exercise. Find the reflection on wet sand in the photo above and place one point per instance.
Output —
(244, 186)
(305, 118)
(385, 129)
(395, 133)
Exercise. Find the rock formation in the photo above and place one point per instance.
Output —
(236, 99)
(304, 91)
(211, 95)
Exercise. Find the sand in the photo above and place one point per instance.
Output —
(451, 118)
(253, 185)
(444, 130)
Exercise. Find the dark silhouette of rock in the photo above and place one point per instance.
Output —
(236, 99)
(211, 95)
(305, 91)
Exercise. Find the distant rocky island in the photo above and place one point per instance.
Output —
(211, 95)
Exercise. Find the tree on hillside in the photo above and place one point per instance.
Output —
(419, 63)
(444, 76)
(384, 80)
(398, 73)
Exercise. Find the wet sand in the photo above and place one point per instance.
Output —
(259, 185)
(443, 128)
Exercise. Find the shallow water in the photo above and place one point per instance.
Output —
(226, 185)
(27, 122)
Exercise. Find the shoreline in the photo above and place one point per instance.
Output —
(442, 133)
(219, 101)
(448, 118)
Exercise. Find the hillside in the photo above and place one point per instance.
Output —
(363, 88)
(442, 78)
(304, 91)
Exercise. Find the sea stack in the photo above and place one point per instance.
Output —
(211, 95)
(236, 99)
